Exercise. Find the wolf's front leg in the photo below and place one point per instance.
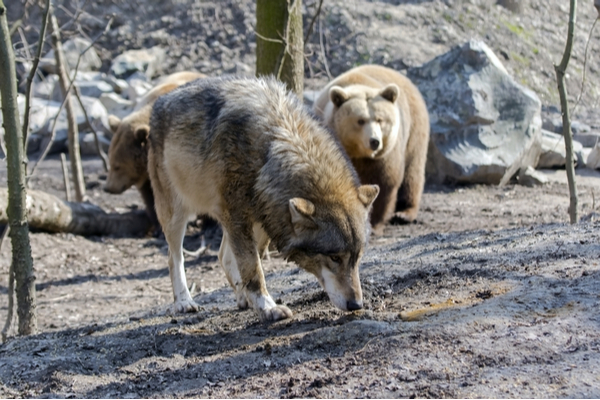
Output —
(245, 270)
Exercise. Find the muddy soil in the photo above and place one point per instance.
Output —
(490, 294)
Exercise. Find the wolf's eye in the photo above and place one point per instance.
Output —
(361, 122)
(379, 120)
(336, 259)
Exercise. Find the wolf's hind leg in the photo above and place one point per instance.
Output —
(174, 231)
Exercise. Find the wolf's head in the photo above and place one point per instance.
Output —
(329, 240)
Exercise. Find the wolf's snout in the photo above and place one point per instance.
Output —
(353, 305)
(374, 143)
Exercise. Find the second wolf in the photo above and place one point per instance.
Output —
(247, 153)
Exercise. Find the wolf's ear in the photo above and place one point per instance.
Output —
(367, 194)
(390, 92)
(338, 96)
(301, 211)
(141, 134)
(113, 123)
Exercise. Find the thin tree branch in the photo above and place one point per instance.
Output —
(323, 50)
(312, 22)
(65, 171)
(101, 152)
(32, 73)
(564, 104)
(587, 46)
(52, 137)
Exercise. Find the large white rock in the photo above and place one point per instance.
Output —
(554, 153)
(483, 124)
(73, 48)
(148, 61)
(116, 104)
(87, 144)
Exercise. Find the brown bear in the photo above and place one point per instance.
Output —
(382, 121)
(128, 151)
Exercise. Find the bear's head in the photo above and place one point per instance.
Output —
(128, 152)
(365, 119)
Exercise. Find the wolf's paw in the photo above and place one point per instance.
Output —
(185, 306)
(275, 314)
(242, 301)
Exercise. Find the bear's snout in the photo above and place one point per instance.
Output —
(374, 143)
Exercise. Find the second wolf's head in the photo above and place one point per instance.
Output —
(329, 238)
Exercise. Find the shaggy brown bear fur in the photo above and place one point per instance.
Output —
(382, 121)
(128, 151)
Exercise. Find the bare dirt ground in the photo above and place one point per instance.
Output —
(490, 294)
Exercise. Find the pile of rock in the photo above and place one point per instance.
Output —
(101, 94)
(486, 127)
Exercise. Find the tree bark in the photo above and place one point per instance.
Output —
(564, 105)
(279, 42)
(73, 134)
(49, 213)
(15, 205)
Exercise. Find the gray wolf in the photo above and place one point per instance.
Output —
(247, 153)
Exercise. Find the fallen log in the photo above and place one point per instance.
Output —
(51, 214)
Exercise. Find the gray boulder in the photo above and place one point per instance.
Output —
(116, 104)
(553, 153)
(90, 61)
(43, 88)
(87, 144)
(137, 86)
(484, 125)
(48, 109)
(90, 84)
(530, 177)
(148, 61)
(584, 134)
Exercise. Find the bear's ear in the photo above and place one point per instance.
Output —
(367, 194)
(114, 122)
(141, 134)
(338, 96)
(390, 92)
(301, 211)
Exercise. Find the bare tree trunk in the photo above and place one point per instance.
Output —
(49, 213)
(564, 105)
(279, 43)
(17, 194)
(73, 135)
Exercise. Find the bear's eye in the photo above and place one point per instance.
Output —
(379, 120)
(361, 122)
(116, 169)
